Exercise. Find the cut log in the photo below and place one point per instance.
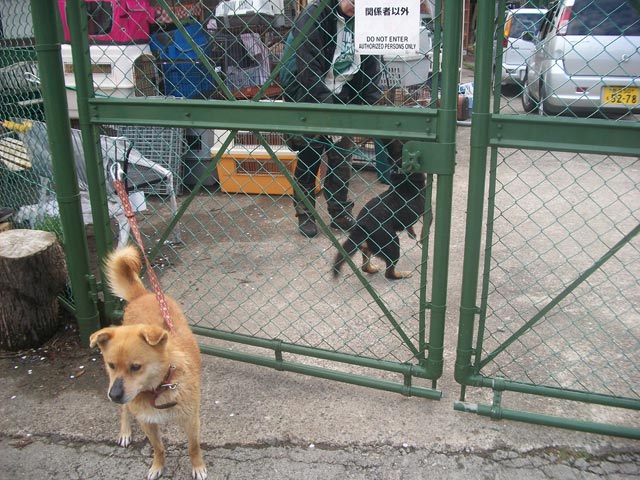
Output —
(32, 274)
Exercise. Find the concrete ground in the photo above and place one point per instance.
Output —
(56, 423)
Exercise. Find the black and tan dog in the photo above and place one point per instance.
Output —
(154, 371)
(377, 225)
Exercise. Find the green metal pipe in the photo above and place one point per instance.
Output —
(424, 238)
(477, 179)
(500, 384)
(280, 346)
(488, 248)
(437, 50)
(59, 132)
(446, 134)
(303, 118)
(548, 420)
(349, 378)
(497, 72)
(582, 135)
(77, 20)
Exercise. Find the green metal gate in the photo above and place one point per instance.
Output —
(254, 289)
(550, 288)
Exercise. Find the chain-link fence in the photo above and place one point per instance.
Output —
(574, 59)
(222, 208)
(20, 98)
(557, 296)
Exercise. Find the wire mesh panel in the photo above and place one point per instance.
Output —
(561, 214)
(19, 98)
(574, 59)
(557, 294)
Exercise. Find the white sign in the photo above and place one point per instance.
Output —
(387, 28)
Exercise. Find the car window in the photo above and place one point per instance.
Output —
(604, 17)
(547, 22)
(521, 23)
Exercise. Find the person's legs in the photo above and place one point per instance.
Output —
(336, 184)
(309, 158)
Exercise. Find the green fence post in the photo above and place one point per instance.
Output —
(446, 134)
(78, 27)
(477, 176)
(45, 24)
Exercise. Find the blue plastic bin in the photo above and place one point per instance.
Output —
(184, 75)
(188, 79)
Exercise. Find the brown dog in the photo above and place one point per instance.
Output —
(153, 372)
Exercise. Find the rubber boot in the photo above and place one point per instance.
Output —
(306, 221)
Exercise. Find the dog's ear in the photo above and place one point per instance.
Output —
(101, 337)
(154, 336)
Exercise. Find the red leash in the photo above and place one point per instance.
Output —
(155, 284)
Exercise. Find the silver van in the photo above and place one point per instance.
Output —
(587, 59)
(520, 28)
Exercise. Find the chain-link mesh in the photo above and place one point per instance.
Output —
(577, 58)
(557, 216)
(19, 97)
(559, 303)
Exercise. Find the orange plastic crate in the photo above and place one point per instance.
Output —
(255, 172)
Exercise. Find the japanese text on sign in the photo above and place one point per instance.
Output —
(387, 30)
(386, 11)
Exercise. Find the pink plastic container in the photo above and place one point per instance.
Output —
(114, 21)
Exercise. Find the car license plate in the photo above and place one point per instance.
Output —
(621, 95)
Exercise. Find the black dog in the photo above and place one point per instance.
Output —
(378, 223)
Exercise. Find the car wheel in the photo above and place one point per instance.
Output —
(545, 107)
(528, 103)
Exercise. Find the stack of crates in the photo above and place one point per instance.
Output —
(184, 75)
(235, 55)
(409, 70)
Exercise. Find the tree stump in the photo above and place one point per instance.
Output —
(32, 274)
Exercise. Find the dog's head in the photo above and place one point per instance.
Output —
(135, 358)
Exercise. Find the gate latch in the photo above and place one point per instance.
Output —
(429, 157)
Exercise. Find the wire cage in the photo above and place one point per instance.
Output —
(162, 145)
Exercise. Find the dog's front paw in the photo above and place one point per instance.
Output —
(124, 440)
(154, 473)
(397, 275)
(199, 473)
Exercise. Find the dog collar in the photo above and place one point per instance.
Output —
(164, 385)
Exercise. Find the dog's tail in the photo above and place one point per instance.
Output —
(123, 273)
(351, 246)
